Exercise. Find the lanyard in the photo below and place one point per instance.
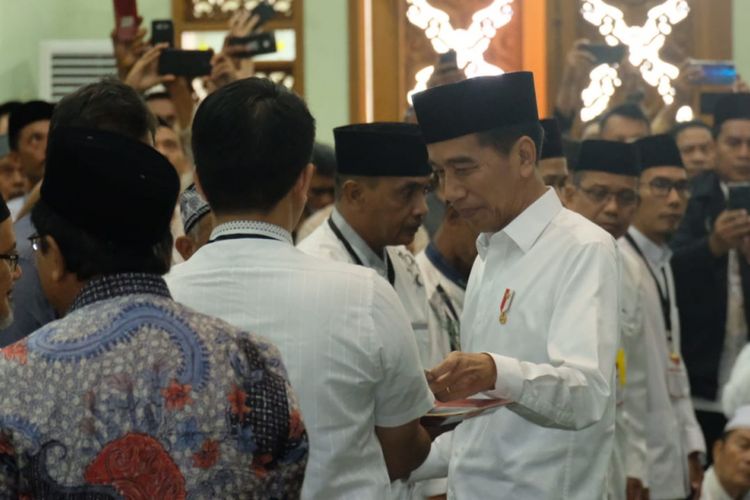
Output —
(452, 331)
(241, 237)
(389, 266)
(666, 306)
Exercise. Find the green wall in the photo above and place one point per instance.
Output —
(24, 23)
(741, 47)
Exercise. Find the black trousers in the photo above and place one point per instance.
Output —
(712, 424)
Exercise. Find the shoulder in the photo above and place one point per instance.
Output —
(574, 231)
(322, 242)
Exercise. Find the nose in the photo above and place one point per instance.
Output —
(17, 274)
(611, 207)
(420, 205)
(673, 199)
(452, 190)
(745, 149)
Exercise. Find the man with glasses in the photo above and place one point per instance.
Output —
(712, 275)
(11, 271)
(604, 190)
(675, 441)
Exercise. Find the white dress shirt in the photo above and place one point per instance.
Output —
(432, 342)
(344, 338)
(629, 458)
(555, 358)
(672, 430)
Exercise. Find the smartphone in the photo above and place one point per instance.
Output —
(603, 53)
(190, 63)
(254, 45)
(126, 19)
(739, 196)
(715, 72)
(264, 11)
(162, 31)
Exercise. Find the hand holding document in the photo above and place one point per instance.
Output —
(454, 412)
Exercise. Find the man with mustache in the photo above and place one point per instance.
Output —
(381, 183)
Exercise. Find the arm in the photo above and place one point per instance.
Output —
(574, 389)
(636, 398)
(402, 395)
(404, 448)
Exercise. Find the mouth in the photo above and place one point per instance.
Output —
(467, 213)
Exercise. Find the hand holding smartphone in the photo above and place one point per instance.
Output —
(126, 19)
(188, 63)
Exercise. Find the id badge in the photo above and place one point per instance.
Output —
(677, 381)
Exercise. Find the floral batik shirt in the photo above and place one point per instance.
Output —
(132, 395)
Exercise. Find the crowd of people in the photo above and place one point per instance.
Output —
(201, 301)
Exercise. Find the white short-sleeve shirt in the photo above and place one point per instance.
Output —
(344, 338)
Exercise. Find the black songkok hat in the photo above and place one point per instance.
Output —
(26, 114)
(731, 107)
(381, 150)
(552, 146)
(608, 156)
(659, 151)
(192, 207)
(476, 105)
(115, 188)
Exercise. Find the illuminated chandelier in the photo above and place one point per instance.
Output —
(469, 44)
(643, 43)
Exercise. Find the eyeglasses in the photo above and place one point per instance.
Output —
(661, 187)
(11, 259)
(598, 194)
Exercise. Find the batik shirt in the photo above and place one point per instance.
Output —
(132, 395)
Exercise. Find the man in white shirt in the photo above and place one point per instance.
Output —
(343, 335)
(540, 321)
(604, 190)
(729, 477)
(674, 438)
(381, 182)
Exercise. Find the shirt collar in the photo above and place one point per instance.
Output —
(436, 258)
(252, 227)
(364, 252)
(658, 255)
(118, 285)
(526, 228)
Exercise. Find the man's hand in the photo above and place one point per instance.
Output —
(729, 229)
(222, 71)
(634, 489)
(696, 474)
(145, 73)
(128, 52)
(461, 375)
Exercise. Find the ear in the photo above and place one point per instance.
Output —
(717, 448)
(353, 192)
(302, 186)
(184, 246)
(54, 256)
(568, 192)
(527, 156)
(197, 182)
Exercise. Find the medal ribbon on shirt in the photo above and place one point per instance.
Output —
(664, 299)
(505, 305)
